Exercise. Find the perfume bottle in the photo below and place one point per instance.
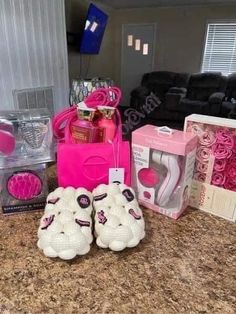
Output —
(83, 129)
(106, 123)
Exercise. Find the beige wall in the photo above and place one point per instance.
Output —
(179, 38)
(88, 65)
(180, 34)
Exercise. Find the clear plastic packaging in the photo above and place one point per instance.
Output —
(163, 162)
(25, 138)
(23, 189)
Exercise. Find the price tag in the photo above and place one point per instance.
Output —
(116, 175)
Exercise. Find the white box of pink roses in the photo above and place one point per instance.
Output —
(214, 182)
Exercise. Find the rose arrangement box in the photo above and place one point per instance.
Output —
(214, 180)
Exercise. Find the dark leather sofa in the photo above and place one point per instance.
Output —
(228, 108)
(182, 94)
(159, 83)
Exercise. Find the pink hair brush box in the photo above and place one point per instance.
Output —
(23, 189)
(214, 182)
(25, 146)
(163, 161)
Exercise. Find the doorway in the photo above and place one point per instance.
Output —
(137, 56)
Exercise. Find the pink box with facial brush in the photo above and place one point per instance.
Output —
(163, 162)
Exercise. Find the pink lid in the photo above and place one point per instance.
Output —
(165, 139)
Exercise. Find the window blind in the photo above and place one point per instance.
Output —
(220, 48)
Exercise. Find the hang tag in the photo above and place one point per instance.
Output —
(116, 175)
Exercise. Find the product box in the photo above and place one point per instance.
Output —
(23, 189)
(25, 138)
(163, 162)
(214, 185)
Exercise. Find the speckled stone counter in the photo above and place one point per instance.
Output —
(184, 266)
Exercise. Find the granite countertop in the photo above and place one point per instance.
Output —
(184, 266)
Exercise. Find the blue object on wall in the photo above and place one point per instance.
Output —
(94, 29)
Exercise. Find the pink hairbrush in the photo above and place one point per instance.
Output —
(24, 185)
(7, 142)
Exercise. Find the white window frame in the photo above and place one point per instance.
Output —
(228, 21)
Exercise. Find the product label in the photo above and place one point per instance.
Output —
(10, 209)
(213, 199)
(80, 135)
(116, 175)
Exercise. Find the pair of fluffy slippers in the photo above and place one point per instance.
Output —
(66, 228)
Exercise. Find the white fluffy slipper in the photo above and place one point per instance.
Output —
(66, 227)
(118, 219)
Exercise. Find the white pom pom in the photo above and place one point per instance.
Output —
(117, 246)
(84, 251)
(55, 194)
(112, 221)
(70, 228)
(67, 254)
(49, 208)
(88, 234)
(55, 227)
(106, 235)
(120, 200)
(84, 216)
(127, 219)
(60, 242)
(123, 186)
(113, 189)
(61, 205)
(78, 242)
(44, 240)
(118, 211)
(65, 217)
(133, 242)
(136, 230)
(81, 191)
(123, 233)
(98, 228)
(49, 252)
(68, 193)
(102, 188)
(101, 244)
(73, 206)
(134, 204)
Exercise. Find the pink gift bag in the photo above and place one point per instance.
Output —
(87, 165)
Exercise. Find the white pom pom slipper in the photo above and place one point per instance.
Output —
(66, 227)
(118, 219)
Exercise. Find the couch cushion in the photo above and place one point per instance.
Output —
(202, 85)
(226, 107)
(231, 87)
(158, 77)
(181, 79)
(193, 106)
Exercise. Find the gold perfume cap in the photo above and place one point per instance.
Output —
(107, 112)
(86, 114)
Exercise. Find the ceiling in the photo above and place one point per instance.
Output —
(125, 4)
